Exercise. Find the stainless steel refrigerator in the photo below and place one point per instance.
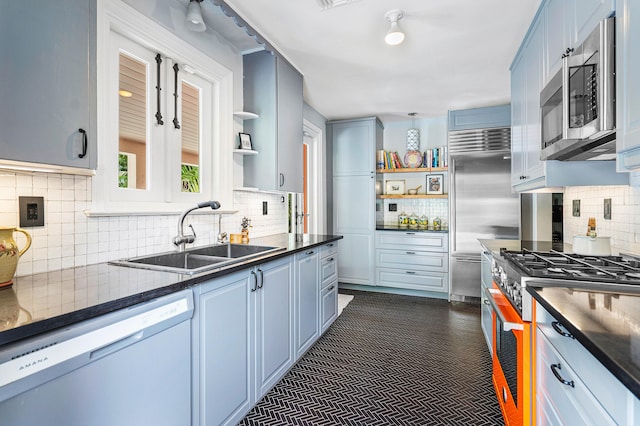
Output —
(482, 204)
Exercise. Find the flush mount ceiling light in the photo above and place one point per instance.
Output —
(194, 16)
(394, 35)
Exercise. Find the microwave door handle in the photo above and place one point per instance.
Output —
(506, 325)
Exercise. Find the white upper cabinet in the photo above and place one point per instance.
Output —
(48, 82)
(628, 84)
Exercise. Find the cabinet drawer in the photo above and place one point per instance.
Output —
(330, 249)
(425, 241)
(414, 260)
(329, 302)
(412, 280)
(606, 388)
(328, 270)
(572, 403)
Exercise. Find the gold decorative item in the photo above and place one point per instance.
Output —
(9, 253)
(245, 230)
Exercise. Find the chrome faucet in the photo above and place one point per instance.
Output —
(180, 240)
(222, 236)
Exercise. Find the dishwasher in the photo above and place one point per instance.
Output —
(128, 367)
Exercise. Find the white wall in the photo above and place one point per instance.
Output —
(624, 226)
(70, 238)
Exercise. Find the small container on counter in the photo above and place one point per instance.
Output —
(413, 221)
(423, 222)
(403, 220)
(437, 224)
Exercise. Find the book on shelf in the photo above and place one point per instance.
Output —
(436, 157)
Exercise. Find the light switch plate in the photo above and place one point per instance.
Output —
(31, 211)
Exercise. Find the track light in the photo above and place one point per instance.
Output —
(394, 35)
(194, 16)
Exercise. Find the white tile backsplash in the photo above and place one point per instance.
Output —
(70, 238)
(432, 208)
(624, 226)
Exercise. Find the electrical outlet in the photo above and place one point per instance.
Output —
(393, 207)
(264, 208)
(31, 211)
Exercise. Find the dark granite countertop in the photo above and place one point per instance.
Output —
(494, 246)
(606, 323)
(39, 303)
(387, 227)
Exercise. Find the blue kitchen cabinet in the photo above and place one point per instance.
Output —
(568, 23)
(628, 84)
(526, 81)
(273, 323)
(354, 144)
(479, 118)
(307, 299)
(556, 22)
(273, 90)
(222, 355)
(48, 84)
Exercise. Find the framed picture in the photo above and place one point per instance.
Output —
(245, 141)
(435, 184)
(395, 187)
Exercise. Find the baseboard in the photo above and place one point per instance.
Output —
(392, 290)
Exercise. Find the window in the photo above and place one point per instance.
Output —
(159, 150)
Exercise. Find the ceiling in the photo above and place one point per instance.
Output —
(456, 53)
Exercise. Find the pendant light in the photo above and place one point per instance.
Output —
(413, 135)
(395, 35)
(194, 19)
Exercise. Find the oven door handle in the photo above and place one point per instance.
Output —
(506, 325)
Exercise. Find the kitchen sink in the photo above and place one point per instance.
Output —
(196, 260)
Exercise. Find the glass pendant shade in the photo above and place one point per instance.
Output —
(413, 139)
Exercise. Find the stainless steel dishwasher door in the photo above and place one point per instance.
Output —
(129, 367)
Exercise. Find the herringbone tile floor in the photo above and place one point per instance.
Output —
(389, 360)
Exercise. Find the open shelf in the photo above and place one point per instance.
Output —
(418, 196)
(245, 151)
(414, 170)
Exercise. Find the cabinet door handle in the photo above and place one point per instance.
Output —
(554, 370)
(310, 252)
(281, 179)
(255, 281)
(261, 278)
(176, 123)
(330, 244)
(332, 287)
(556, 326)
(331, 259)
(410, 233)
(158, 89)
(84, 143)
(411, 252)
(410, 272)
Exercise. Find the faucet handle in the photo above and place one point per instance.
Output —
(191, 237)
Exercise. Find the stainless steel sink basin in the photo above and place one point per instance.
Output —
(198, 259)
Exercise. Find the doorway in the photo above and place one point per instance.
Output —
(313, 179)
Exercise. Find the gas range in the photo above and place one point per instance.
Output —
(512, 269)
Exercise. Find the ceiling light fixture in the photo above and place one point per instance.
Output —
(395, 35)
(194, 20)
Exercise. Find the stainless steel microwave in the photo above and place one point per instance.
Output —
(578, 104)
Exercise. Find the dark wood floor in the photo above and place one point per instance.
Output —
(389, 360)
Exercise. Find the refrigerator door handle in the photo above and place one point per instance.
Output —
(467, 259)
